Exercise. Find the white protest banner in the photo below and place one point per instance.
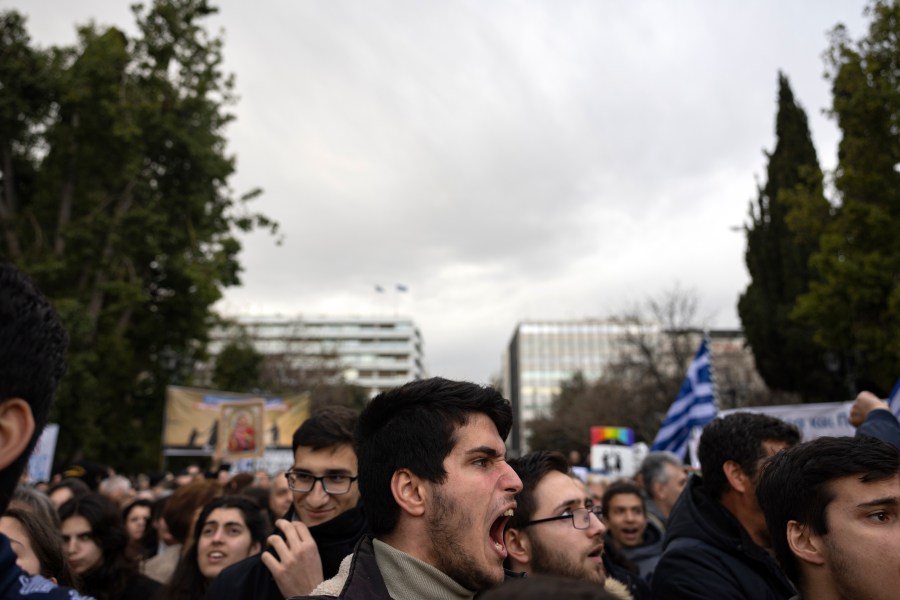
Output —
(40, 465)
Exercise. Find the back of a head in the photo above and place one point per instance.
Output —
(35, 502)
(328, 427)
(182, 505)
(32, 359)
(794, 485)
(414, 427)
(531, 469)
(543, 587)
(738, 437)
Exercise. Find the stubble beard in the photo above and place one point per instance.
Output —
(554, 562)
(450, 554)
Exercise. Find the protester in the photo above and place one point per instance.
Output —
(832, 507)
(280, 496)
(37, 545)
(117, 488)
(323, 523)
(37, 503)
(228, 530)
(637, 538)
(716, 541)
(873, 417)
(663, 477)
(179, 514)
(556, 528)
(32, 349)
(137, 524)
(437, 491)
(94, 538)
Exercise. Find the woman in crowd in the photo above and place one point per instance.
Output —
(229, 529)
(95, 540)
(37, 545)
(137, 519)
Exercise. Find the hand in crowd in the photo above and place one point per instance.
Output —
(865, 403)
(297, 568)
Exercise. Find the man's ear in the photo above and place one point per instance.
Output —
(16, 429)
(409, 492)
(518, 545)
(736, 477)
(805, 546)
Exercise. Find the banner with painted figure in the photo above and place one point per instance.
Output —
(231, 425)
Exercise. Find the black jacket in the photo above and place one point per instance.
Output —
(250, 579)
(708, 554)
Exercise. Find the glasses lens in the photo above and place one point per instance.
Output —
(300, 482)
(336, 484)
(581, 518)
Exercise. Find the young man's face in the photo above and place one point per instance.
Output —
(224, 540)
(626, 519)
(557, 547)
(316, 506)
(466, 514)
(862, 546)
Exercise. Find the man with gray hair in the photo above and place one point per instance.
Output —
(663, 477)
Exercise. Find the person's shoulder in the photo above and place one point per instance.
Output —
(36, 587)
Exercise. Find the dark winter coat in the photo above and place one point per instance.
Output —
(709, 554)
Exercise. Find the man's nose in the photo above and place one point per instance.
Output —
(511, 481)
(597, 526)
(318, 495)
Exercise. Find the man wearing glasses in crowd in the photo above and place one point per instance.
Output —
(556, 529)
(325, 520)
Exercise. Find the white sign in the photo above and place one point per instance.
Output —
(613, 461)
(40, 465)
(813, 420)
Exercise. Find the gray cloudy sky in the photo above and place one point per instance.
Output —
(505, 160)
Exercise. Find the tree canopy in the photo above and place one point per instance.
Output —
(114, 196)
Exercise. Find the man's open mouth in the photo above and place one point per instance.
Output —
(496, 531)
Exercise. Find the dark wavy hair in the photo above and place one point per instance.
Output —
(33, 344)
(796, 485)
(188, 583)
(414, 427)
(47, 546)
(531, 468)
(739, 437)
(110, 577)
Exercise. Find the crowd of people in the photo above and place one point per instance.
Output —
(415, 497)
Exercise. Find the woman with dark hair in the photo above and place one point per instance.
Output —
(141, 537)
(37, 545)
(95, 540)
(229, 529)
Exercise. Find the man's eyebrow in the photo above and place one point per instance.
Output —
(889, 501)
(486, 450)
(570, 503)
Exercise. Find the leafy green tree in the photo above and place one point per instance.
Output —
(115, 198)
(786, 219)
(853, 303)
(238, 367)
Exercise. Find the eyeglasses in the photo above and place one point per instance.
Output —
(581, 518)
(301, 481)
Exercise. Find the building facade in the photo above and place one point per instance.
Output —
(375, 353)
(542, 355)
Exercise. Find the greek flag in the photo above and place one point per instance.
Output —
(894, 399)
(695, 405)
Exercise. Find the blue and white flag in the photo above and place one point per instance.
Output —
(894, 399)
(695, 405)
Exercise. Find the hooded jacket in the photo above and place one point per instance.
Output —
(646, 556)
(709, 554)
(250, 579)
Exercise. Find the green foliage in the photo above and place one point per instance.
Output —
(853, 302)
(115, 198)
(786, 220)
(238, 367)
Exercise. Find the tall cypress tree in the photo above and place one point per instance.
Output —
(786, 219)
(854, 301)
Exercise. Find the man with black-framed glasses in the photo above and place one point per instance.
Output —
(325, 520)
(556, 529)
